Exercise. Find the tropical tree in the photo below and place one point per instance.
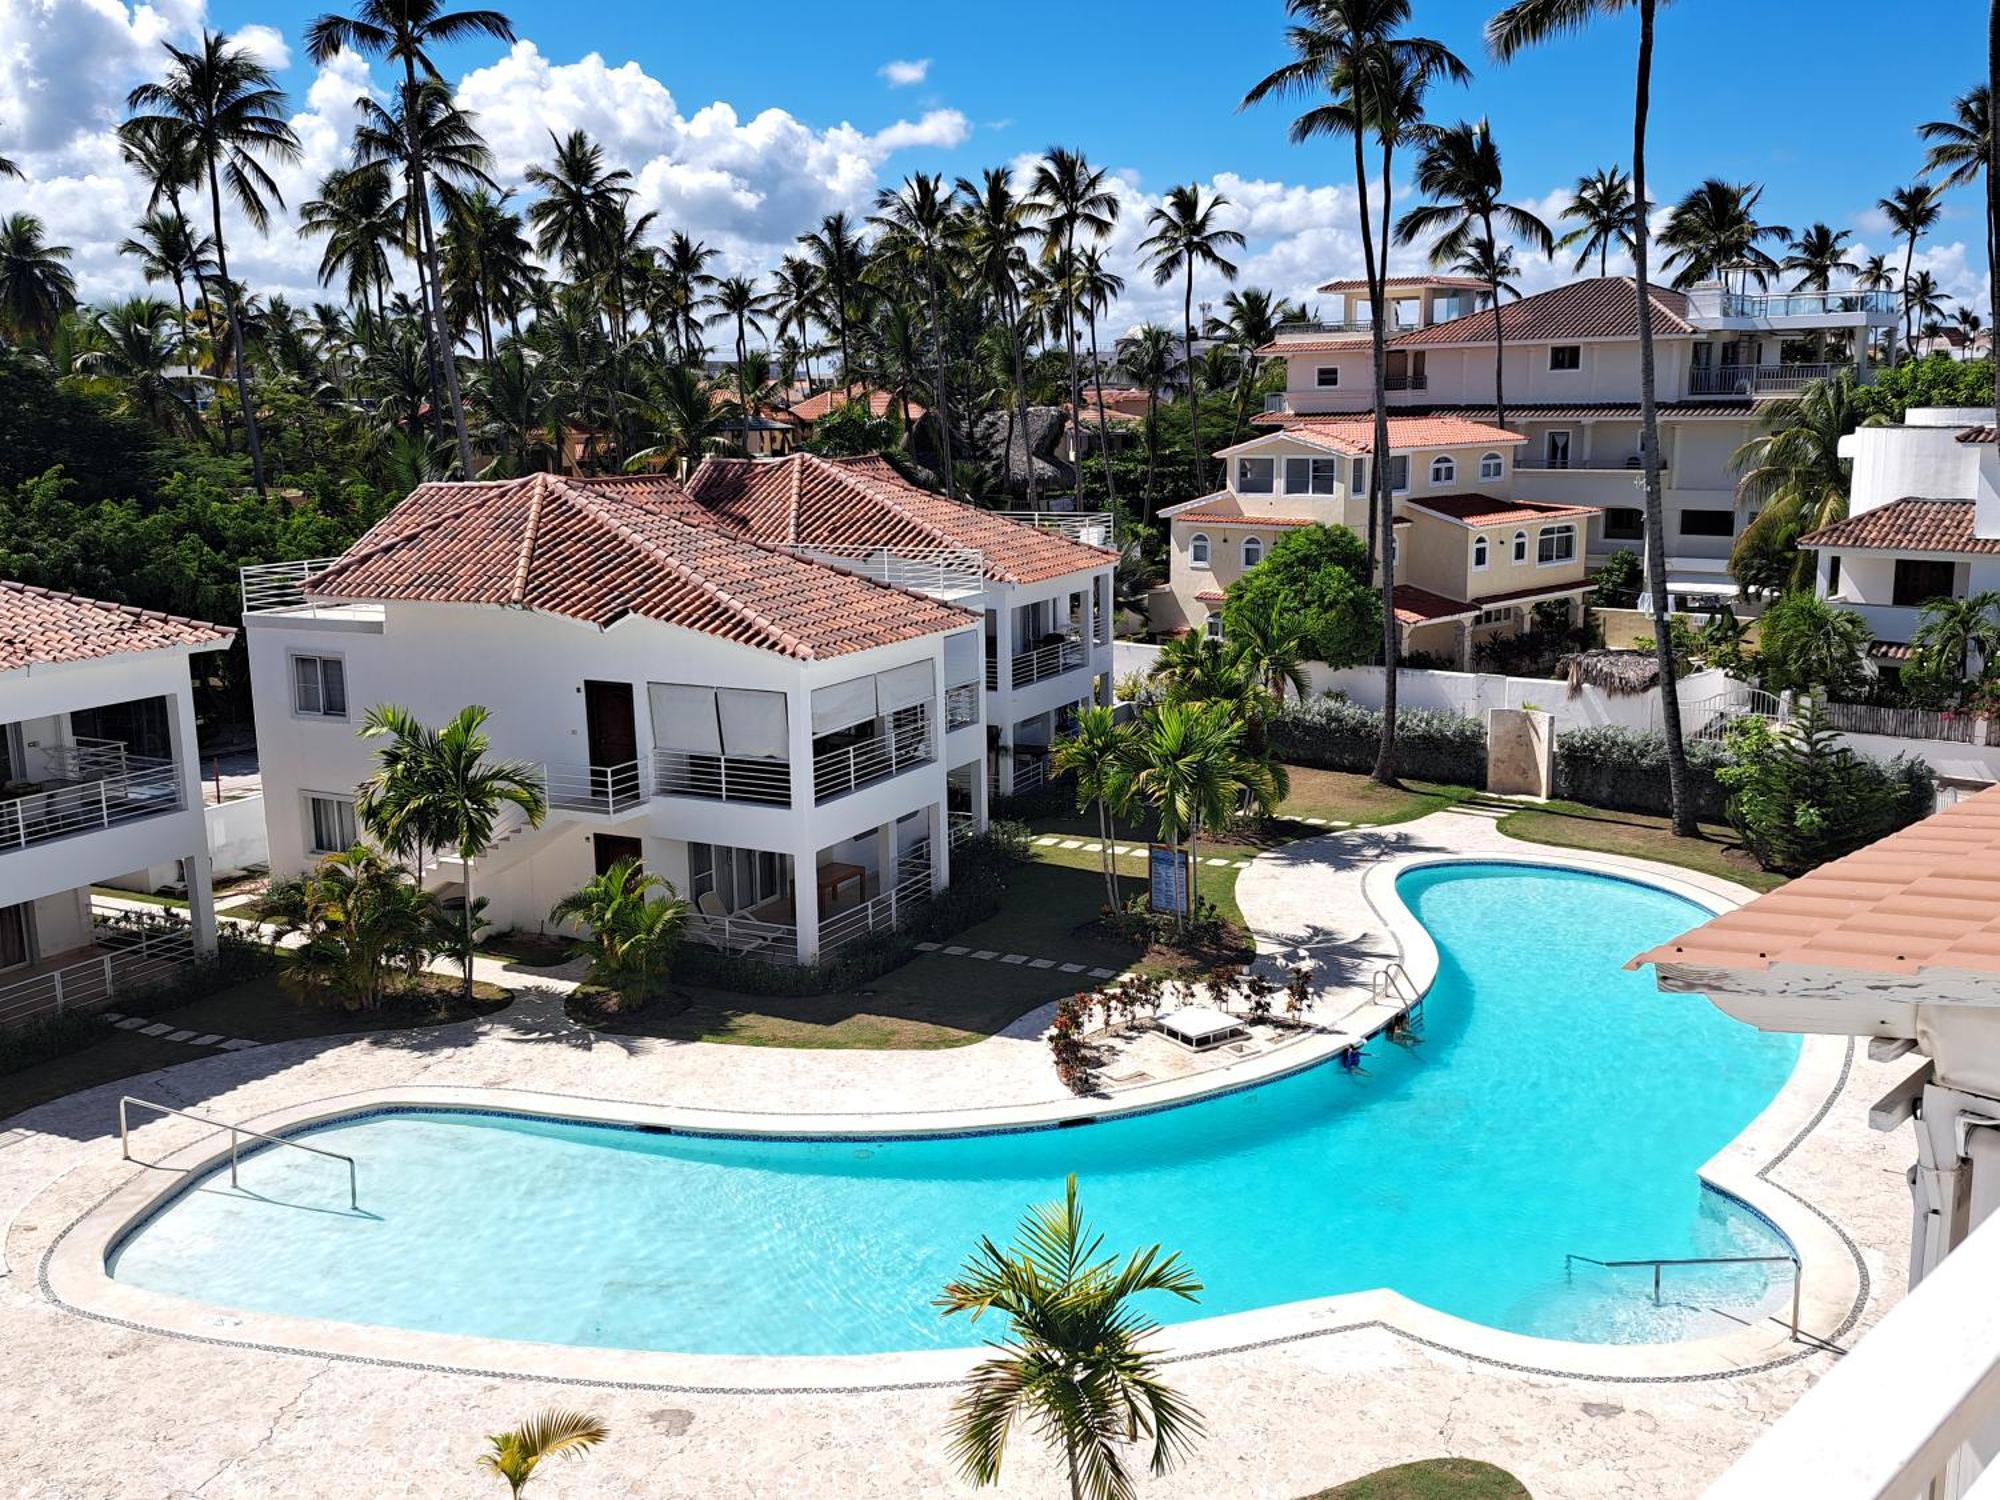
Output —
(1601, 206)
(1071, 196)
(1097, 287)
(436, 789)
(738, 301)
(361, 217)
(1190, 766)
(681, 411)
(1912, 212)
(919, 215)
(517, 1453)
(360, 922)
(231, 113)
(1097, 753)
(1925, 299)
(1249, 322)
(1459, 172)
(1524, 24)
(134, 344)
(1148, 360)
(685, 282)
(796, 302)
(1792, 472)
(1957, 638)
(1962, 148)
(1806, 645)
(1186, 238)
(168, 248)
(1816, 254)
(990, 232)
(1714, 230)
(1075, 1363)
(837, 254)
(488, 265)
(36, 286)
(632, 935)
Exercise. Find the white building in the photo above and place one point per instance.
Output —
(1923, 522)
(776, 735)
(99, 780)
(1571, 380)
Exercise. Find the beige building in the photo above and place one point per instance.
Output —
(1472, 560)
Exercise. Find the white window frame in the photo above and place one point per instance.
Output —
(1481, 554)
(1198, 551)
(1402, 488)
(1321, 475)
(1243, 485)
(1212, 626)
(1545, 545)
(1520, 546)
(1444, 469)
(1557, 369)
(337, 801)
(1492, 466)
(1548, 448)
(1501, 616)
(1357, 483)
(1320, 381)
(319, 659)
(1248, 543)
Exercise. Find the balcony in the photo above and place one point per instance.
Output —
(961, 706)
(722, 778)
(1844, 306)
(1092, 528)
(126, 957)
(1760, 380)
(948, 573)
(907, 743)
(1051, 659)
(1889, 622)
(279, 588)
(769, 932)
(593, 789)
(1416, 382)
(96, 785)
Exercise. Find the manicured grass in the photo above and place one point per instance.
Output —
(1571, 825)
(1344, 797)
(1431, 1479)
(144, 898)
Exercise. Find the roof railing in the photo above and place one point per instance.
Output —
(270, 588)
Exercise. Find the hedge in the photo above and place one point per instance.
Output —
(1333, 734)
(1626, 770)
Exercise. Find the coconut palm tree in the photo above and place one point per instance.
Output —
(738, 301)
(1190, 766)
(1962, 149)
(36, 286)
(488, 264)
(1098, 753)
(11, 168)
(233, 116)
(686, 282)
(797, 295)
(516, 1454)
(1249, 322)
(1956, 637)
(1926, 299)
(1817, 253)
(1807, 645)
(1528, 23)
(1601, 206)
(361, 217)
(1186, 238)
(168, 248)
(680, 410)
(1969, 324)
(437, 789)
(836, 252)
(1792, 472)
(632, 933)
(1097, 287)
(1075, 1362)
(1912, 212)
(919, 216)
(991, 231)
(581, 198)
(1459, 172)
(1071, 196)
(134, 344)
(1148, 361)
(1714, 230)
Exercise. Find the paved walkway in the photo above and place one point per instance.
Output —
(99, 1410)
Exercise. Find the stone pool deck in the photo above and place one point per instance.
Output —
(91, 1408)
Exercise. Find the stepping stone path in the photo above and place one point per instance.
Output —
(1138, 851)
(167, 1033)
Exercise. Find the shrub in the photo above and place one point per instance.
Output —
(1626, 769)
(1072, 1055)
(1798, 799)
(1335, 735)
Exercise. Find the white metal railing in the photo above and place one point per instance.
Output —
(1709, 718)
(63, 809)
(941, 572)
(1043, 662)
(236, 1133)
(961, 706)
(1031, 771)
(1904, 723)
(279, 586)
(127, 960)
(961, 828)
(1751, 380)
(906, 743)
(1091, 527)
(911, 887)
(722, 778)
(746, 937)
(1659, 1264)
(600, 789)
(88, 759)
(1800, 304)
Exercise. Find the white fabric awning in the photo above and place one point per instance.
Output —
(961, 658)
(684, 718)
(905, 686)
(754, 723)
(841, 705)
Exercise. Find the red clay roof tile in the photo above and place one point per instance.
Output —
(1907, 525)
(1605, 307)
(44, 627)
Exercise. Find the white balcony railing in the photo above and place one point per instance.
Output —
(1793, 304)
(1041, 663)
(271, 587)
(126, 961)
(64, 809)
(962, 827)
(722, 778)
(746, 937)
(961, 706)
(1758, 380)
(911, 887)
(907, 743)
(941, 572)
(1091, 527)
(598, 789)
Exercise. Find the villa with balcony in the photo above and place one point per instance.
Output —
(1572, 386)
(99, 783)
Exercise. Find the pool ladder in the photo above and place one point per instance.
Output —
(1391, 985)
(1660, 1263)
(236, 1132)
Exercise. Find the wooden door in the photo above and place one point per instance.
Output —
(607, 849)
(607, 712)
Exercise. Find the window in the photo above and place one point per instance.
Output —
(1624, 523)
(1198, 550)
(1399, 473)
(319, 687)
(15, 949)
(1918, 580)
(332, 823)
(1443, 470)
(1490, 466)
(1498, 616)
(1213, 629)
(1833, 575)
(1708, 523)
(1479, 551)
(1358, 485)
(1556, 544)
(1312, 476)
(1520, 546)
(1253, 551)
(1326, 377)
(1256, 476)
(1555, 449)
(1566, 357)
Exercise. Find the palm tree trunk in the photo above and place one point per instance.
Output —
(1993, 184)
(187, 344)
(235, 334)
(1108, 856)
(1384, 507)
(435, 306)
(1075, 1478)
(1649, 444)
(1152, 446)
(1021, 400)
(1374, 308)
(465, 928)
(1103, 426)
(937, 381)
(1193, 380)
(1069, 340)
(1499, 337)
(1909, 325)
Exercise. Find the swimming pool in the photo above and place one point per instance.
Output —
(1556, 1104)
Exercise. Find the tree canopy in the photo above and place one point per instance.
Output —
(1316, 579)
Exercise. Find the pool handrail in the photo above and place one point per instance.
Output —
(235, 1132)
(1659, 1262)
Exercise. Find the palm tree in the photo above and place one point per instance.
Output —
(1925, 298)
(685, 274)
(837, 254)
(1190, 766)
(797, 299)
(436, 789)
(361, 921)
(1097, 287)
(738, 300)
(1250, 321)
(1911, 212)
(1070, 195)
(1955, 637)
(581, 197)
(36, 287)
(1793, 473)
(990, 232)
(686, 420)
(1149, 360)
(1962, 148)
(919, 214)
(1075, 1361)
(517, 1453)
(1969, 324)
(1808, 644)
(11, 168)
(1602, 207)
(488, 264)
(1459, 172)
(134, 343)
(233, 113)
(1097, 752)
(1714, 230)
(361, 217)
(168, 249)
(1526, 23)
(632, 935)
(1185, 238)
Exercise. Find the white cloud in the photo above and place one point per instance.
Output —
(904, 73)
(66, 65)
(942, 128)
(265, 43)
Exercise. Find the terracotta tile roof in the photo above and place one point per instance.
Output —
(1315, 343)
(1979, 434)
(1113, 417)
(1350, 433)
(1415, 606)
(1456, 283)
(1907, 525)
(1601, 308)
(1211, 596)
(1226, 510)
(1530, 594)
(880, 403)
(1486, 510)
(807, 500)
(43, 627)
(1927, 897)
(598, 550)
(1890, 651)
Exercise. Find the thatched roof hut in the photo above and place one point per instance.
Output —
(1619, 672)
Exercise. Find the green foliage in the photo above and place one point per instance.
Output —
(1934, 380)
(1619, 582)
(1316, 580)
(362, 922)
(1808, 645)
(1336, 735)
(1627, 769)
(848, 431)
(1798, 799)
(632, 935)
(43, 425)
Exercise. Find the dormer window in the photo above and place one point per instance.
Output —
(1256, 476)
(1443, 470)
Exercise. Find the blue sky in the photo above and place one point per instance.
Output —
(745, 125)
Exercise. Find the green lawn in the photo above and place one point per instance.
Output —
(1431, 1479)
(144, 898)
(1571, 825)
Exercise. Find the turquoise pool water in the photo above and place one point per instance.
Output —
(1555, 1104)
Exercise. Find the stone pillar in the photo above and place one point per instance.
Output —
(201, 899)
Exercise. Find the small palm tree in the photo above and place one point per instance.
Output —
(1189, 765)
(632, 936)
(361, 921)
(1793, 472)
(1075, 1362)
(518, 1452)
(36, 287)
(1955, 637)
(1601, 206)
(1186, 238)
(1098, 753)
(1912, 212)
